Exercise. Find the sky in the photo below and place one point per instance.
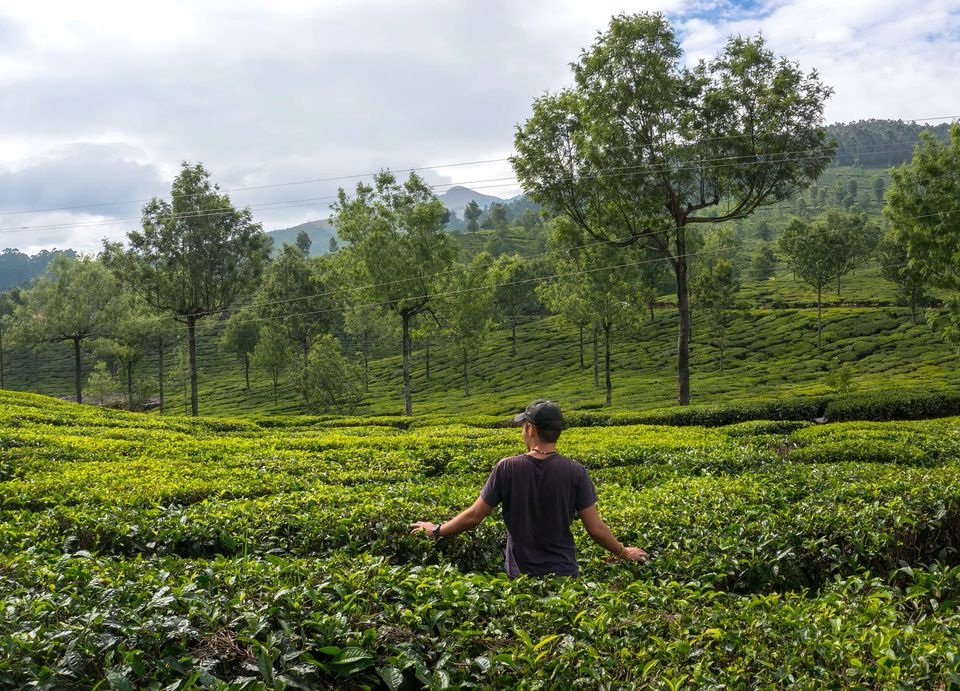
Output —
(284, 101)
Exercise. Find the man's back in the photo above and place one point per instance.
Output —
(541, 497)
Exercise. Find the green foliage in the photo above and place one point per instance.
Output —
(666, 129)
(143, 552)
(102, 384)
(194, 255)
(329, 380)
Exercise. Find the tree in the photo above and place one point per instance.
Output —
(715, 291)
(102, 383)
(303, 242)
(398, 248)
(591, 279)
(472, 214)
(333, 245)
(529, 219)
(644, 147)
(271, 354)
(817, 253)
(497, 217)
(195, 255)
(332, 382)
(239, 338)
(763, 263)
(878, 189)
(513, 293)
(67, 304)
(8, 302)
(129, 334)
(922, 206)
(895, 267)
(468, 310)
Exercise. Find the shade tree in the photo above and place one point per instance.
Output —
(644, 148)
(194, 256)
(401, 255)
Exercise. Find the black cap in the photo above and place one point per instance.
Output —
(542, 413)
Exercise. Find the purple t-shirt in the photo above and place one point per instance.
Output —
(540, 497)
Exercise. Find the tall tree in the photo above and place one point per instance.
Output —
(922, 206)
(272, 354)
(303, 242)
(817, 253)
(472, 213)
(468, 310)
(68, 303)
(895, 267)
(239, 338)
(644, 147)
(595, 279)
(715, 292)
(399, 248)
(130, 332)
(195, 255)
(7, 305)
(513, 294)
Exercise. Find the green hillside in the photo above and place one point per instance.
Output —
(771, 351)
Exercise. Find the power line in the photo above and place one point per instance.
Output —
(625, 171)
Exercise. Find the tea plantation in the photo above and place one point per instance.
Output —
(272, 552)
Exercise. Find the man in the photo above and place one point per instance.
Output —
(541, 492)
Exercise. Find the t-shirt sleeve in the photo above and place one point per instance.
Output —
(586, 493)
(492, 492)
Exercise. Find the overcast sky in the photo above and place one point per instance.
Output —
(101, 101)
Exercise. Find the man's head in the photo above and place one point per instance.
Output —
(546, 417)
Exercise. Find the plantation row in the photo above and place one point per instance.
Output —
(276, 553)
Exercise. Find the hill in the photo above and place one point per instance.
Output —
(456, 199)
(319, 231)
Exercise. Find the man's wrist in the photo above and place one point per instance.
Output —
(436, 530)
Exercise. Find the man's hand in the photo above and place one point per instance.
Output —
(422, 526)
(630, 554)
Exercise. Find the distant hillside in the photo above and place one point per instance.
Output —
(17, 268)
(320, 233)
(457, 198)
(879, 143)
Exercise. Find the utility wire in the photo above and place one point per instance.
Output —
(620, 171)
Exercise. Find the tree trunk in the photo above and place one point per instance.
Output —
(428, 358)
(466, 373)
(683, 335)
(721, 346)
(581, 347)
(366, 361)
(819, 323)
(130, 385)
(77, 374)
(650, 305)
(913, 322)
(596, 355)
(838, 285)
(246, 370)
(276, 382)
(407, 402)
(160, 368)
(192, 346)
(513, 335)
(606, 344)
(1, 357)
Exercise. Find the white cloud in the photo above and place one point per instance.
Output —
(295, 90)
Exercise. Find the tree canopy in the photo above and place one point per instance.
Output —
(644, 146)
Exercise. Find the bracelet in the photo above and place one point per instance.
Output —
(436, 531)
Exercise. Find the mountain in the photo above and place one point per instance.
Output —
(320, 233)
(456, 199)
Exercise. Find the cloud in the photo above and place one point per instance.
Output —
(267, 93)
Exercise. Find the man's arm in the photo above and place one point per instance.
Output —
(601, 534)
(463, 521)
